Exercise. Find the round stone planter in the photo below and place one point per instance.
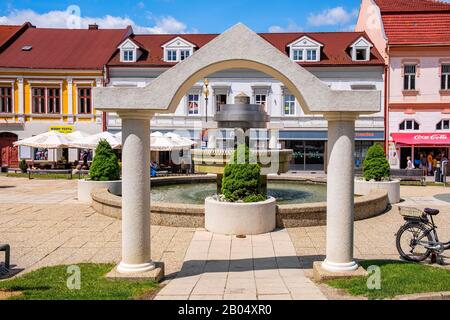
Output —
(363, 188)
(240, 218)
(85, 188)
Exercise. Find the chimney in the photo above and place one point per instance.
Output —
(93, 26)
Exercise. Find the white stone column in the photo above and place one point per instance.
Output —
(136, 249)
(340, 193)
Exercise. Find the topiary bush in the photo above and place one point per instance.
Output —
(23, 166)
(242, 179)
(105, 166)
(375, 166)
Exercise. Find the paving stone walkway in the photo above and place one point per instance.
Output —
(263, 267)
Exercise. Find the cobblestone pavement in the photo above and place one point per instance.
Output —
(45, 226)
(263, 267)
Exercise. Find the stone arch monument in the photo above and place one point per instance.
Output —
(238, 47)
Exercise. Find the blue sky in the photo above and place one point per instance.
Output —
(181, 16)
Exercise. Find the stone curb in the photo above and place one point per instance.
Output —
(425, 296)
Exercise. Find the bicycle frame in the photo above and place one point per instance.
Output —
(435, 245)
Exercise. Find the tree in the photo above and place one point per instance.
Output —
(375, 166)
(105, 166)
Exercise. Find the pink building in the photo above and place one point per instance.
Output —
(413, 36)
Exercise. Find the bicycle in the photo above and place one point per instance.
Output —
(417, 239)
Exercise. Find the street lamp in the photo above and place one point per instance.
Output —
(206, 93)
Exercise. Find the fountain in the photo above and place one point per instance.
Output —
(241, 218)
(241, 117)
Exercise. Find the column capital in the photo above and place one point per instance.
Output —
(136, 114)
(341, 116)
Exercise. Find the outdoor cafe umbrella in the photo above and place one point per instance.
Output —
(91, 142)
(77, 135)
(188, 142)
(167, 142)
(48, 140)
(160, 142)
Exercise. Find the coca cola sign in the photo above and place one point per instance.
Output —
(428, 139)
(433, 137)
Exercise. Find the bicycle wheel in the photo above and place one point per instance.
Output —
(407, 242)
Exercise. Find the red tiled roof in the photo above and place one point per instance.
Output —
(415, 22)
(6, 32)
(63, 49)
(400, 6)
(335, 47)
(417, 28)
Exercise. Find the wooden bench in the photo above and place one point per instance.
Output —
(410, 175)
(7, 249)
(39, 171)
(403, 175)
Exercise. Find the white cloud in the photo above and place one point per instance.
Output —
(291, 27)
(332, 17)
(71, 18)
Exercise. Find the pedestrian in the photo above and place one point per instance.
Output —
(424, 164)
(410, 165)
(430, 160)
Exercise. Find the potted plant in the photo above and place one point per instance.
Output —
(242, 208)
(104, 173)
(377, 175)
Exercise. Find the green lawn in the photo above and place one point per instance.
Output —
(51, 284)
(398, 278)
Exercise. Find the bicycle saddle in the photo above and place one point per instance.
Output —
(431, 212)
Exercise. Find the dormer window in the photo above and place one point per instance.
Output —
(311, 55)
(184, 54)
(128, 55)
(178, 50)
(305, 49)
(172, 55)
(360, 50)
(129, 51)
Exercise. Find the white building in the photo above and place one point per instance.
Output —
(344, 60)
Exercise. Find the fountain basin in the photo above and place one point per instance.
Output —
(240, 218)
(172, 214)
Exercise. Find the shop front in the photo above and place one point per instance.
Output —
(310, 147)
(417, 145)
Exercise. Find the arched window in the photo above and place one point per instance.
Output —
(409, 125)
(443, 125)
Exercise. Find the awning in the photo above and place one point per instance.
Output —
(422, 139)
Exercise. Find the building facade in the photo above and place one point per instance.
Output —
(414, 38)
(344, 61)
(46, 78)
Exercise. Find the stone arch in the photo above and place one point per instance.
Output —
(232, 64)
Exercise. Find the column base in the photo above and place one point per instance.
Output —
(321, 274)
(151, 273)
(339, 267)
(135, 268)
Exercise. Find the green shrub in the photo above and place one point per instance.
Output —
(241, 179)
(375, 166)
(105, 166)
(23, 166)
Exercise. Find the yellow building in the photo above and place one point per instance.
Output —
(46, 81)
